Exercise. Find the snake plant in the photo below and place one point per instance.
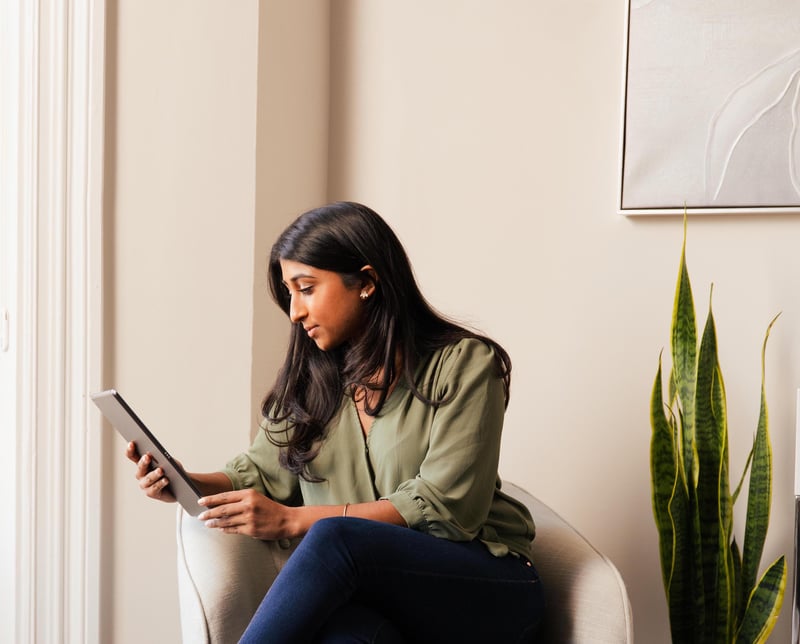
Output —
(712, 589)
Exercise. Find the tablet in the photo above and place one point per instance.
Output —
(128, 424)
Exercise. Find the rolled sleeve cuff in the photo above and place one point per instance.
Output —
(243, 475)
(410, 508)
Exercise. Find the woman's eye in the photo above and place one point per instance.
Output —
(306, 290)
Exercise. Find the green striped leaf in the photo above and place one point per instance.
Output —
(696, 566)
(735, 559)
(727, 567)
(670, 508)
(684, 358)
(664, 472)
(685, 602)
(713, 494)
(760, 489)
(744, 474)
(764, 605)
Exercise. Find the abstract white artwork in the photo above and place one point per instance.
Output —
(712, 106)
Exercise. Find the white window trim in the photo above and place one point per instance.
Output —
(9, 77)
(58, 330)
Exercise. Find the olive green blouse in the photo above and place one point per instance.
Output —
(436, 465)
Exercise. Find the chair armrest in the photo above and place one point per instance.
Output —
(222, 579)
(587, 601)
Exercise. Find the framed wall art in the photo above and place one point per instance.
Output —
(711, 107)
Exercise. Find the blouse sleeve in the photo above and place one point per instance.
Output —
(452, 494)
(259, 468)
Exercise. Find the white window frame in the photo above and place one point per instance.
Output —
(9, 83)
(54, 111)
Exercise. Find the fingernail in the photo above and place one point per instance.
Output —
(202, 501)
(201, 516)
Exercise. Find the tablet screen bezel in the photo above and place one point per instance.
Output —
(128, 424)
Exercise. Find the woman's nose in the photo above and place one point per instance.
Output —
(296, 309)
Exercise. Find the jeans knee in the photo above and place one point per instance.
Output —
(334, 536)
(328, 530)
(348, 537)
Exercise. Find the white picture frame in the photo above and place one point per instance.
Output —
(711, 107)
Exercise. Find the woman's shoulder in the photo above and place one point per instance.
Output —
(466, 354)
(469, 348)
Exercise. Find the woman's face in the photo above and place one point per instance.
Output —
(330, 311)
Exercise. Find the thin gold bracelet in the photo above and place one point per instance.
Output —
(344, 512)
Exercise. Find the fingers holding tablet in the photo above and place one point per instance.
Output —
(151, 478)
(151, 459)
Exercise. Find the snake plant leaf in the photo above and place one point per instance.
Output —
(673, 389)
(677, 423)
(720, 413)
(713, 494)
(684, 594)
(744, 472)
(760, 489)
(696, 567)
(736, 566)
(764, 605)
(671, 508)
(684, 358)
(728, 571)
(664, 472)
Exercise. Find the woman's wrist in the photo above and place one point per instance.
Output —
(211, 482)
(299, 519)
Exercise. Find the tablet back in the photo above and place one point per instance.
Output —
(128, 424)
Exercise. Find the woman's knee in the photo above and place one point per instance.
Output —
(330, 540)
(344, 540)
(352, 528)
(328, 530)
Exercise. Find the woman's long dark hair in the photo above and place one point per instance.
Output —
(344, 237)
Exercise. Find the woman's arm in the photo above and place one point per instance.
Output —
(211, 483)
(251, 513)
(451, 494)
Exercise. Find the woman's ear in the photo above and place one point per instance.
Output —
(369, 281)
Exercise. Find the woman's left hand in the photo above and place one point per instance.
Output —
(246, 512)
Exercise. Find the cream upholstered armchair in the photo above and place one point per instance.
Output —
(222, 578)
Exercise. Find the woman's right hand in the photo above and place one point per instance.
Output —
(153, 483)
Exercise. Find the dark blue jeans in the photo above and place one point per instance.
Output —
(353, 580)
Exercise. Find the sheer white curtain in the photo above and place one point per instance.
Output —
(51, 301)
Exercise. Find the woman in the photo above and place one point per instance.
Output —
(379, 445)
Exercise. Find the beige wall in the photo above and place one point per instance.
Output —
(291, 154)
(180, 241)
(487, 133)
(216, 138)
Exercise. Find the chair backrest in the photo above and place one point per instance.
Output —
(587, 602)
